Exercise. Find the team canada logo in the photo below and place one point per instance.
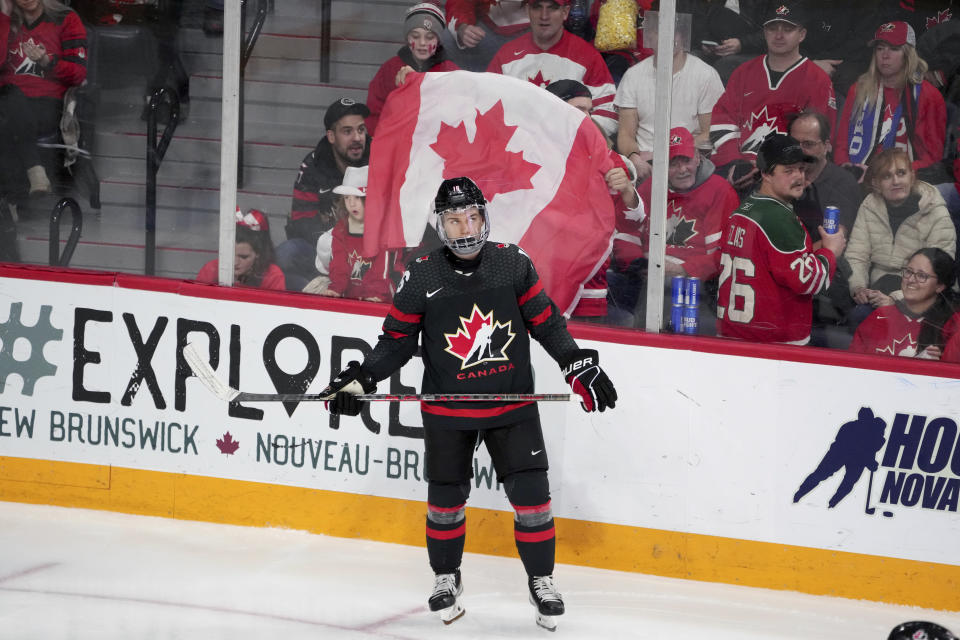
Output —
(783, 11)
(675, 140)
(480, 338)
(887, 28)
(358, 266)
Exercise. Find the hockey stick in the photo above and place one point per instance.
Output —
(206, 375)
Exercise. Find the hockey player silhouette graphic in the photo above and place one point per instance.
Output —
(481, 343)
(855, 449)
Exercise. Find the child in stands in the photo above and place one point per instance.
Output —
(351, 274)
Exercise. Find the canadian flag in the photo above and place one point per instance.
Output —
(539, 162)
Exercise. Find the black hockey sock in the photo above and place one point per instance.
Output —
(445, 544)
(446, 525)
(536, 546)
(529, 493)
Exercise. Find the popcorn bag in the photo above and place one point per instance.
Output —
(616, 26)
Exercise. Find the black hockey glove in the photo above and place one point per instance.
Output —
(343, 390)
(584, 375)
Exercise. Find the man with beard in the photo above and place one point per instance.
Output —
(314, 211)
(769, 270)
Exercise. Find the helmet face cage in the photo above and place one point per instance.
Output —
(457, 195)
(467, 244)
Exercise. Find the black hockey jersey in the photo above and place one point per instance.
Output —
(475, 329)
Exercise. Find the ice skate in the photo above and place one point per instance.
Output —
(445, 599)
(548, 601)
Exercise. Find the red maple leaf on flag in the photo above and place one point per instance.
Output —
(227, 444)
(486, 160)
(539, 80)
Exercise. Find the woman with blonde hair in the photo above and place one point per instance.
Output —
(900, 216)
(891, 105)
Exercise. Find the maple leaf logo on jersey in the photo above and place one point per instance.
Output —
(358, 266)
(485, 159)
(905, 347)
(941, 17)
(761, 125)
(679, 230)
(479, 339)
(539, 80)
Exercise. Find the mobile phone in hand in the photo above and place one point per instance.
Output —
(710, 44)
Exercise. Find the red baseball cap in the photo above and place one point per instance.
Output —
(681, 143)
(895, 34)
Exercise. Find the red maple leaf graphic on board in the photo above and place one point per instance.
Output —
(227, 444)
(486, 160)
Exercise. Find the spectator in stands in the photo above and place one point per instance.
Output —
(476, 29)
(763, 91)
(696, 89)
(423, 52)
(620, 180)
(352, 275)
(827, 185)
(891, 105)
(899, 216)
(314, 211)
(549, 53)
(699, 204)
(921, 323)
(253, 264)
(764, 295)
(44, 54)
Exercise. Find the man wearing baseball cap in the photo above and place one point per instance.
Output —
(699, 204)
(770, 271)
(763, 91)
(346, 144)
(550, 53)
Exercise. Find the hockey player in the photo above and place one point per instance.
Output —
(769, 270)
(464, 292)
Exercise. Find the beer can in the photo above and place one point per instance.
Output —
(676, 318)
(690, 319)
(831, 219)
(677, 290)
(692, 296)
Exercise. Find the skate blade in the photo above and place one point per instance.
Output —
(547, 622)
(453, 613)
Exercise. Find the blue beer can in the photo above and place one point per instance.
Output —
(690, 319)
(831, 219)
(677, 287)
(692, 297)
(676, 318)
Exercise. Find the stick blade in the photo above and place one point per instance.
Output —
(201, 368)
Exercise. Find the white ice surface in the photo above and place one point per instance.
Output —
(72, 573)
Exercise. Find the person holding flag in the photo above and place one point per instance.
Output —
(474, 305)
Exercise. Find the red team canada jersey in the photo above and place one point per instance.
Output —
(695, 223)
(753, 107)
(66, 44)
(572, 58)
(769, 274)
(352, 275)
(893, 331)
